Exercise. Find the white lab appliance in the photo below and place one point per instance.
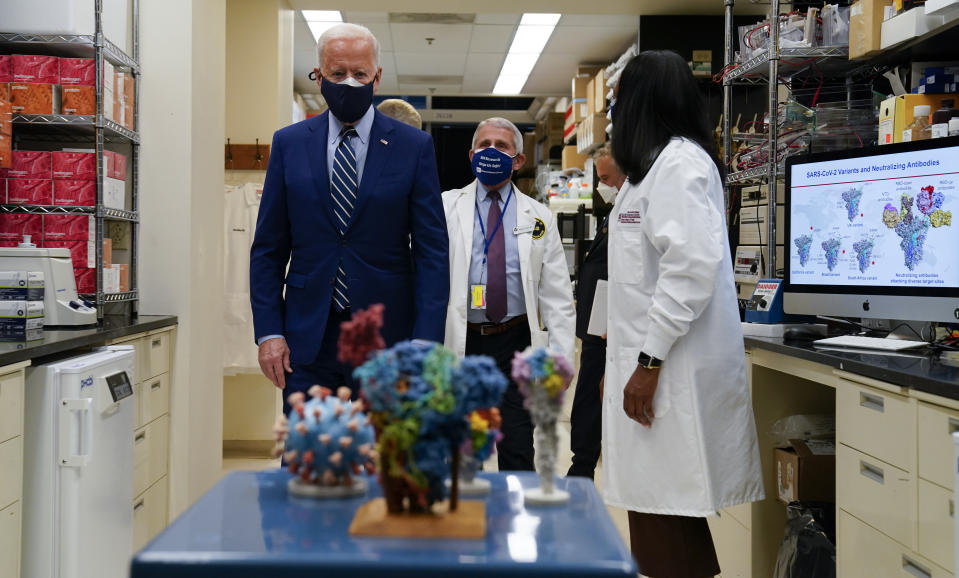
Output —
(78, 466)
(61, 304)
(955, 489)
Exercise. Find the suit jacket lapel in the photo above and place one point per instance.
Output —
(316, 151)
(378, 151)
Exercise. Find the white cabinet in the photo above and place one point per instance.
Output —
(11, 467)
(150, 513)
(10, 540)
(866, 552)
(877, 493)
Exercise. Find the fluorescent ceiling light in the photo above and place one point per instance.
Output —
(531, 37)
(320, 21)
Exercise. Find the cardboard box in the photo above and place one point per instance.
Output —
(13, 227)
(21, 286)
(6, 68)
(29, 165)
(580, 87)
(703, 56)
(908, 25)
(78, 100)
(82, 253)
(865, 27)
(86, 280)
(111, 280)
(21, 320)
(6, 153)
(35, 69)
(5, 91)
(572, 159)
(29, 192)
(591, 132)
(589, 69)
(128, 115)
(69, 228)
(599, 87)
(550, 127)
(78, 72)
(124, 273)
(806, 471)
(529, 149)
(75, 193)
(115, 164)
(74, 166)
(114, 193)
(6, 117)
(895, 113)
(29, 98)
(107, 252)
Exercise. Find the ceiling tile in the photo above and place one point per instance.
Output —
(388, 83)
(552, 74)
(302, 37)
(511, 19)
(484, 64)
(491, 38)
(591, 43)
(420, 89)
(430, 62)
(610, 20)
(366, 17)
(446, 37)
(382, 33)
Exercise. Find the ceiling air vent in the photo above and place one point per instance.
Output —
(429, 18)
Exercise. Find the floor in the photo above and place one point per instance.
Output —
(237, 461)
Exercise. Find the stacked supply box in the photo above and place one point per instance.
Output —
(897, 113)
(33, 84)
(938, 80)
(21, 306)
(6, 133)
(77, 233)
(29, 180)
(6, 76)
(78, 94)
(123, 99)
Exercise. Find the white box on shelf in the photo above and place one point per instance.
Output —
(949, 9)
(69, 17)
(114, 193)
(908, 25)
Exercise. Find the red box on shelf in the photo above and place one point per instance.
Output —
(81, 252)
(30, 98)
(68, 228)
(13, 227)
(6, 68)
(75, 193)
(29, 165)
(78, 72)
(29, 192)
(86, 280)
(74, 166)
(115, 165)
(35, 69)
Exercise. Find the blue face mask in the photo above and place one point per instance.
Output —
(492, 166)
(349, 100)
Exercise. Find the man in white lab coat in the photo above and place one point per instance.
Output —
(509, 279)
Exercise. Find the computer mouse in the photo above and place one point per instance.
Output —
(804, 333)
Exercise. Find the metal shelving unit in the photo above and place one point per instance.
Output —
(96, 129)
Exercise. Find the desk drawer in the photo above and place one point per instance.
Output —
(151, 446)
(10, 541)
(865, 552)
(158, 352)
(11, 405)
(153, 399)
(140, 356)
(149, 513)
(936, 511)
(11, 471)
(877, 423)
(877, 493)
(936, 425)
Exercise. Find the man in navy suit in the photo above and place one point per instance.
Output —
(352, 204)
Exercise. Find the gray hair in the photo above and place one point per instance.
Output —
(603, 151)
(502, 123)
(347, 31)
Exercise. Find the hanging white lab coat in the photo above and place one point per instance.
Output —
(547, 290)
(672, 296)
(241, 207)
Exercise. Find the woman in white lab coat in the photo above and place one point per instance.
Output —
(678, 430)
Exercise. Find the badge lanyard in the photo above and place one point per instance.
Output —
(488, 240)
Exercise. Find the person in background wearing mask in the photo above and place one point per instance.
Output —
(509, 284)
(401, 111)
(679, 438)
(352, 203)
(586, 418)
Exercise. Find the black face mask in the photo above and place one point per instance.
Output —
(347, 102)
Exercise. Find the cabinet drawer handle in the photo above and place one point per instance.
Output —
(873, 402)
(872, 472)
(914, 569)
(156, 342)
(138, 505)
(140, 437)
(155, 385)
(953, 425)
(952, 508)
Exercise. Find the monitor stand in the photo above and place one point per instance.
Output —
(900, 329)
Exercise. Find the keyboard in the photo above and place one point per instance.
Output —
(862, 342)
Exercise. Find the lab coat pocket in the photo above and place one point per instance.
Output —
(626, 363)
(626, 257)
(539, 338)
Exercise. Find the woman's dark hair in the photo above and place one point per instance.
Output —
(657, 99)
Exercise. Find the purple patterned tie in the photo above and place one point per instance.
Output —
(495, 263)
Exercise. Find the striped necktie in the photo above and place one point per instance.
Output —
(343, 187)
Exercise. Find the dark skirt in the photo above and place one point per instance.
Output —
(672, 546)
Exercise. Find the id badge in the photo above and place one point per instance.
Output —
(477, 296)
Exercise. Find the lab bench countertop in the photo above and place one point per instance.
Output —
(249, 526)
(915, 370)
(57, 341)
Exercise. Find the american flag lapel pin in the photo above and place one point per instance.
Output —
(383, 140)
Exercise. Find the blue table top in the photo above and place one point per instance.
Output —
(248, 526)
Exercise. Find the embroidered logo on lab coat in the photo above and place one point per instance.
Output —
(539, 229)
(630, 218)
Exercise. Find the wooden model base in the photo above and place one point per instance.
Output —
(467, 522)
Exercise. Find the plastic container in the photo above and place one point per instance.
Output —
(954, 126)
(920, 129)
(941, 118)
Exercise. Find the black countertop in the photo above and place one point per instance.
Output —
(60, 340)
(922, 372)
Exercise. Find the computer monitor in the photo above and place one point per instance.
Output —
(873, 232)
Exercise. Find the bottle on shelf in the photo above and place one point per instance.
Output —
(919, 129)
(941, 118)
